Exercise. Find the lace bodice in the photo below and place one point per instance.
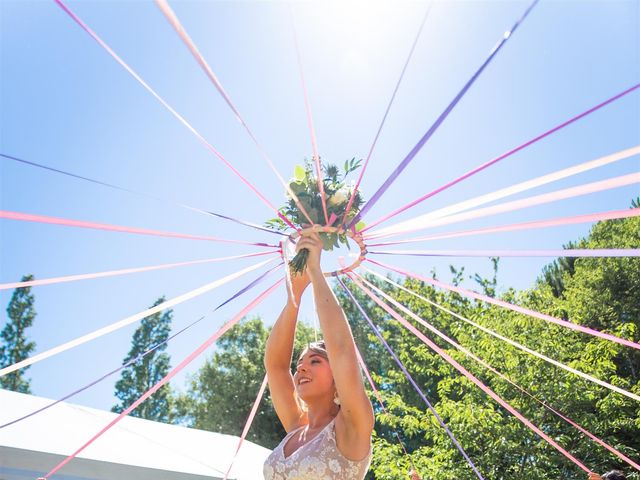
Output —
(318, 459)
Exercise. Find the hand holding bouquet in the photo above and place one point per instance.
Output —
(338, 192)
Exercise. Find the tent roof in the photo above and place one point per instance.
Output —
(133, 443)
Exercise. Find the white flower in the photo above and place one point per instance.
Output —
(340, 197)
(279, 467)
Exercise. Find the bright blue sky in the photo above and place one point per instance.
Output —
(67, 104)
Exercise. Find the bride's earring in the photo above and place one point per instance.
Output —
(336, 400)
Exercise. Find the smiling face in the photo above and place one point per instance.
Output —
(313, 378)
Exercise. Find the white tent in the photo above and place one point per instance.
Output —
(133, 449)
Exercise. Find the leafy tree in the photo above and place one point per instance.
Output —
(139, 377)
(598, 292)
(557, 271)
(222, 392)
(15, 346)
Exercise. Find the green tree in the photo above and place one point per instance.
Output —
(597, 292)
(146, 371)
(557, 272)
(222, 392)
(15, 346)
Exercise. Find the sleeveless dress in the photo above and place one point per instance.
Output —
(318, 459)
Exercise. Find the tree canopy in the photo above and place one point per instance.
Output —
(145, 371)
(600, 293)
(15, 345)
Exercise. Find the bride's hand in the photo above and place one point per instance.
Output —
(312, 242)
(299, 283)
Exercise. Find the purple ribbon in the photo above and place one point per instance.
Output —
(410, 378)
(250, 286)
(142, 355)
(569, 252)
(414, 151)
(142, 194)
(386, 113)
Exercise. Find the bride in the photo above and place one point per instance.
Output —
(323, 406)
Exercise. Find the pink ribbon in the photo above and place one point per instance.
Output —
(504, 155)
(182, 120)
(210, 341)
(27, 217)
(248, 423)
(130, 319)
(557, 222)
(481, 361)
(563, 194)
(312, 131)
(380, 401)
(126, 271)
(568, 252)
(386, 113)
(534, 353)
(470, 376)
(425, 219)
(408, 376)
(175, 23)
(510, 306)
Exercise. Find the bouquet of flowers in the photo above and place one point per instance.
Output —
(304, 185)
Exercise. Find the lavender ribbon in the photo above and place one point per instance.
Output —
(142, 194)
(414, 151)
(143, 354)
(569, 252)
(410, 378)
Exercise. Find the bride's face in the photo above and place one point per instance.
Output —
(313, 377)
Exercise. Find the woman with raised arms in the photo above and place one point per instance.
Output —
(323, 405)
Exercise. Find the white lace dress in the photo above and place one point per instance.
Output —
(318, 459)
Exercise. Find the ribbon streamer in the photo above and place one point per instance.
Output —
(164, 7)
(312, 131)
(248, 423)
(364, 368)
(569, 252)
(141, 194)
(410, 225)
(516, 308)
(480, 360)
(88, 276)
(386, 113)
(27, 217)
(594, 187)
(140, 356)
(105, 376)
(471, 377)
(592, 217)
(414, 151)
(210, 341)
(182, 120)
(504, 155)
(549, 360)
(250, 285)
(129, 320)
(410, 378)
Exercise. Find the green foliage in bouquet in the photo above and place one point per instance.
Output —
(304, 185)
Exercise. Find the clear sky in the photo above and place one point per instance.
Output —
(67, 104)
